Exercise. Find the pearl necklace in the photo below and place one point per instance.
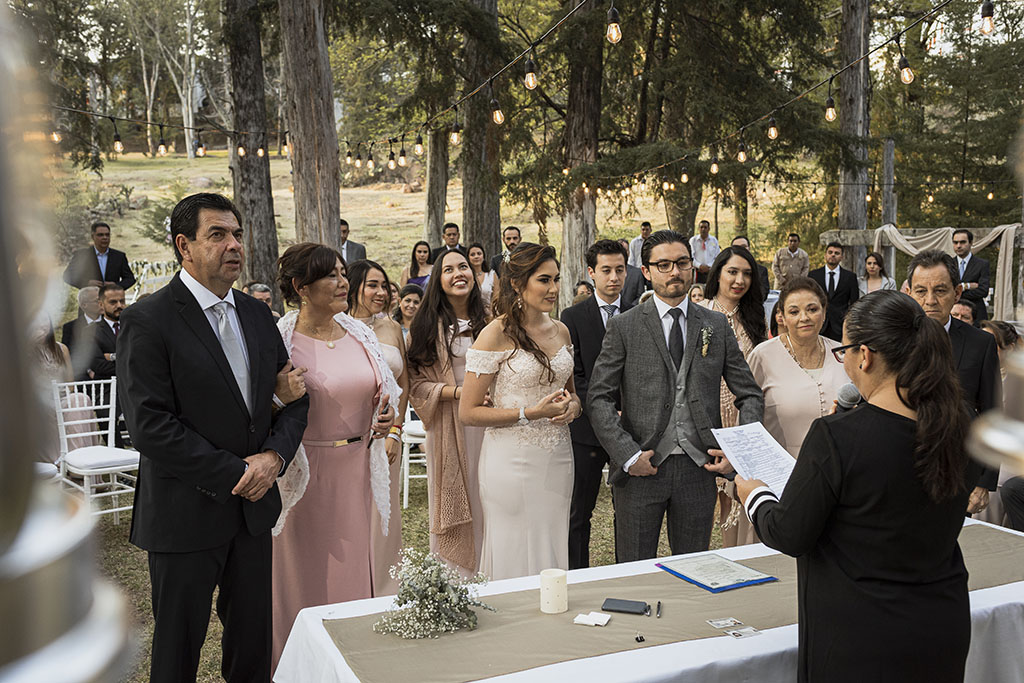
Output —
(822, 407)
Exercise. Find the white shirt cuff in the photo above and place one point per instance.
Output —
(278, 402)
(631, 461)
(758, 497)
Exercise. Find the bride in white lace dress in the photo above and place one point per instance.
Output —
(524, 360)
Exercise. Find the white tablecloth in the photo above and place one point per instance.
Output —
(996, 655)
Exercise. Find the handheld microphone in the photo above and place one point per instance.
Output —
(849, 397)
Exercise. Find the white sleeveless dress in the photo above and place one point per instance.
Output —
(526, 471)
(385, 549)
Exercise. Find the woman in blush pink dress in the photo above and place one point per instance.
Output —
(322, 544)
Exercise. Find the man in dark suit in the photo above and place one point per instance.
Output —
(106, 331)
(635, 286)
(450, 235)
(933, 279)
(99, 263)
(974, 273)
(76, 336)
(606, 266)
(197, 362)
(350, 251)
(663, 362)
(511, 236)
(762, 271)
(840, 286)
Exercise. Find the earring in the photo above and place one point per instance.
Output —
(861, 366)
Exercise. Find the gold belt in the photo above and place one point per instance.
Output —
(332, 444)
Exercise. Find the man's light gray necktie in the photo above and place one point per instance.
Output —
(232, 346)
(610, 310)
(963, 268)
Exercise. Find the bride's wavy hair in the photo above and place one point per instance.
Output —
(522, 263)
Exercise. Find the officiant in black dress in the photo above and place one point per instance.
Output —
(874, 506)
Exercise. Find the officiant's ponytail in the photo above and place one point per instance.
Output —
(917, 350)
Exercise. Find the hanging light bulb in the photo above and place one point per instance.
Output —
(741, 155)
(118, 145)
(565, 170)
(348, 157)
(200, 146)
(684, 177)
(830, 109)
(418, 147)
(359, 157)
(261, 152)
(714, 165)
(991, 195)
(161, 148)
(931, 195)
(614, 32)
(867, 196)
(531, 74)
(55, 136)
(496, 114)
(773, 129)
(665, 185)
(454, 137)
(672, 186)
(764, 189)
(369, 160)
(906, 73)
(401, 157)
(284, 147)
(814, 191)
(392, 164)
(987, 24)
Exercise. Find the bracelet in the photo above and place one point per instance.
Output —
(394, 436)
(395, 429)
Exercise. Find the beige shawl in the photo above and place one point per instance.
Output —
(450, 518)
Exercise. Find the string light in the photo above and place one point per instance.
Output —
(454, 136)
(991, 195)
(261, 151)
(565, 170)
(814, 191)
(369, 159)
(906, 73)
(714, 165)
(741, 155)
(830, 104)
(161, 148)
(987, 12)
(200, 146)
(867, 196)
(55, 136)
(418, 147)
(773, 129)
(764, 189)
(931, 195)
(392, 164)
(684, 177)
(359, 156)
(348, 153)
(284, 147)
(241, 151)
(401, 153)
(665, 185)
(530, 80)
(614, 32)
(118, 145)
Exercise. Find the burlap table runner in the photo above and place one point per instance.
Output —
(518, 636)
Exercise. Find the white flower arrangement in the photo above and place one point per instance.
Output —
(432, 598)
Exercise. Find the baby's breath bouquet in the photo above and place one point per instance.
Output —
(432, 598)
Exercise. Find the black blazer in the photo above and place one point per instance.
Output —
(977, 364)
(977, 270)
(84, 267)
(496, 262)
(434, 255)
(586, 329)
(190, 424)
(633, 288)
(76, 335)
(847, 291)
(766, 286)
(103, 342)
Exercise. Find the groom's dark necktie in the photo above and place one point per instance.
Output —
(831, 283)
(675, 338)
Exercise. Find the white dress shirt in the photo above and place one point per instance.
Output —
(207, 300)
(101, 259)
(110, 324)
(704, 252)
(831, 270)
(344, 251)
(666, 326)
(635, 247)
(601, 303)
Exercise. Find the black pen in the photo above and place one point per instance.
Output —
(658, 613)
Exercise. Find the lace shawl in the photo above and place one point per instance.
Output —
(296, 478)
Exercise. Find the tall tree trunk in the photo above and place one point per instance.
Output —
(481, 164)
(854, 123)
(253, 195)
(437, 185)
(659, 86)
(740, 203)
(683, 206)
(640, 127)
(313, 135)
(584, 50)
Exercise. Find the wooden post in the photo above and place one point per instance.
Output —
(854, 124)
(889, 199)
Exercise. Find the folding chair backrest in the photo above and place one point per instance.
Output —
(89, 407)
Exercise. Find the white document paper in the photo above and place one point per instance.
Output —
(756, 455)
(714, 571)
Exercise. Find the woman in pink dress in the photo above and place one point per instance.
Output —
(322, 544)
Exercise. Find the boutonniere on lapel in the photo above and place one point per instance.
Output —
(705, 341)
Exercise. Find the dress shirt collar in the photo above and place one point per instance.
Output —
(833, 270)
(965, 259)
(663, 308)
(90, 321)
(100, 253)
(949, 322)
(204, 297)
(110, 323)
(601, 302)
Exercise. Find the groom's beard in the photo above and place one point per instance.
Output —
(672, 289)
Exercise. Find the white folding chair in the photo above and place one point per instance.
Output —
(413, 434)
(104, 470)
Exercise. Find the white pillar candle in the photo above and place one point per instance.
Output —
(554, 591)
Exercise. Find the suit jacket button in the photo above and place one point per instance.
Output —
(252, 429)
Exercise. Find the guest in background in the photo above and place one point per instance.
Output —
(450, 235)
(350, 251)
(105, 332)
(1006, 336)
(418, 270)
(696, 293)
(734, 290)
(485, 276)
(449, 319)
(524, 360)
(778, 322)
(584, 288)
(54, 365)
(875, 277)
(840, 286)
(974, 273)
(369, 293)
(796, 370)
(762, 271)
(637, 243)
(935, 285)
(586, 322)
(322, 550)
(98, 264)
(873, 509)
(1012, 496)
(409, 298)
(963, 311)
(790, 262)
(705, 250)
(510, 237)
(634, 286)
(74, 331)
(261, 292)
(392, 298)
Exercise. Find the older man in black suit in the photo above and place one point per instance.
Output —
(350, 251)
(198, 362)
(840, 286)
(974, 273)
(935, 285)
(606, 266)
(99, 263)
(450, 235)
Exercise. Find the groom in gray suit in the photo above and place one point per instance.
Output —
(667, 358)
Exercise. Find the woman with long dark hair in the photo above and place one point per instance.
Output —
(874, 506)
(450, 317)
(418, 270)
(409, 299)
(524, 358)
(875, 277)
(485, 277)
(734, 289)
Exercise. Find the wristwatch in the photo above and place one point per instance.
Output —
(523, 420)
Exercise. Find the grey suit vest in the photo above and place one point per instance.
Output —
(680, 433)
